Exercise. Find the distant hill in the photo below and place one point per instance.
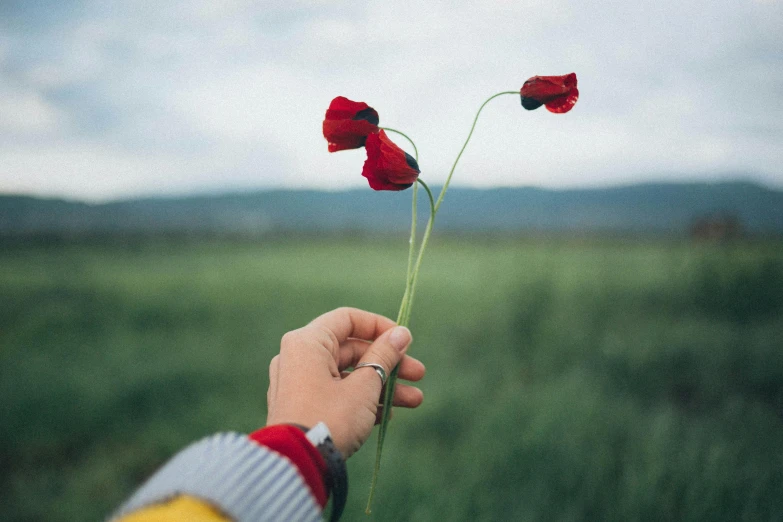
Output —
(647, 208)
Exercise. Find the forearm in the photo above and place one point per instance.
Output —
(273, 474)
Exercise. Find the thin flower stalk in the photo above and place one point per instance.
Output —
(404, 315)
(412, 240)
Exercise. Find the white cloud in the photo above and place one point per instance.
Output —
(145, 97)
(97, 172)
(26, 113)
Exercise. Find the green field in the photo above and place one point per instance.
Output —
(567, 380)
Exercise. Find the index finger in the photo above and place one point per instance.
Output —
(348, 322)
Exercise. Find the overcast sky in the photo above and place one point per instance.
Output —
(103, 100)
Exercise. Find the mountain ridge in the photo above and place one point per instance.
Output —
(664, 208)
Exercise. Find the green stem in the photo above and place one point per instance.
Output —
(472, 128)
(429, 193)
(412, 240)
(437, 205)
(406, 306)
(402, 318)
(403, 312)
(411, 248)
(414, 278)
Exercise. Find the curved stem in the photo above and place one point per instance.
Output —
(404, 315)
(401, 316)
(415, 150)
(415, 277)
(412, 240)
(411, 248)
(403, 319)
(472, 128)
(429, 193)
(430, 223)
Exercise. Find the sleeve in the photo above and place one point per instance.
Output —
(273, 474)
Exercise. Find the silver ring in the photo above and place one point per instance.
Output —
(377, 367)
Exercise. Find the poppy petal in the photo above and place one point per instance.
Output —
(557, 93)
(563, 104)
(348, 123)
(388, 167)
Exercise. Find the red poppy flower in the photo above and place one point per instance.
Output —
(557, 93)
(348, 123)
(388, 167)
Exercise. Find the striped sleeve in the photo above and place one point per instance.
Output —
(240, 477)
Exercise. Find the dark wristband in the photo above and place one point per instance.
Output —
(336, 478)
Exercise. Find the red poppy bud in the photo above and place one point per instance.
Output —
(388, 167)
(557, 93)
(348, 123)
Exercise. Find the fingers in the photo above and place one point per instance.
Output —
(387, 350)
(352, 322)
(352, 351)
(407, 396)
(274, 366)
(379, 415)
(271, 393)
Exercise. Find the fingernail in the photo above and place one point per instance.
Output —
(400, 337)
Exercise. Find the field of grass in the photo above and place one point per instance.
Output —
(567, 380)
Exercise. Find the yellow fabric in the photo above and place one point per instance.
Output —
(181, 508)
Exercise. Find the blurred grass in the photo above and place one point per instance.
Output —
(567, 380)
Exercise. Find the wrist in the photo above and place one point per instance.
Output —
(292, 443)
(335, 475)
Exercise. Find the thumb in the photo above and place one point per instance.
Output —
(387, 350)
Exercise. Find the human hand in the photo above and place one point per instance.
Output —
(308, 383)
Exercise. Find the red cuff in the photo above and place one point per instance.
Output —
(292, 443)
